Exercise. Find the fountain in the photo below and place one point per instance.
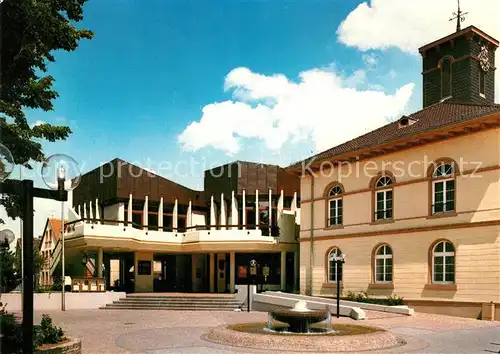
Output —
(300, 319)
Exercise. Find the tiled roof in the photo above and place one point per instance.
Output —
(430, 118)
(55, 225)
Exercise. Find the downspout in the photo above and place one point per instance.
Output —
(311, 240)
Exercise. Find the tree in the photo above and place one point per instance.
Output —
(38, 262)
(31, 31)
(9, 276)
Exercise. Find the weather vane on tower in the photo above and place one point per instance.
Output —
(459, 16)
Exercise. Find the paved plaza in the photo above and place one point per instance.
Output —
(135, 331)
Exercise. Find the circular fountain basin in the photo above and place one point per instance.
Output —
(300, 321)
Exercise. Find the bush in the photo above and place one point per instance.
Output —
(11, 339)
(392, 300)
(47, 333)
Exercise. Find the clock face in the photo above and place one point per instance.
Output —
(484, 60)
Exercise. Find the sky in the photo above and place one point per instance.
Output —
(182, 86)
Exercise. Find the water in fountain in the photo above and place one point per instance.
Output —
(300, 320)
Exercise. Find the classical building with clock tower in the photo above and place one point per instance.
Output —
(414, 206)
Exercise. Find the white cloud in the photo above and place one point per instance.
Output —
(410, 24)
(322, 105)
(37, 123)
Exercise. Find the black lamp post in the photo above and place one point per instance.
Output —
(26, 191)
(339, 260)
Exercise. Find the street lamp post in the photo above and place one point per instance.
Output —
(339, 260)
(61, 178)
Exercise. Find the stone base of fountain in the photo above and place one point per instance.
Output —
(300, 319)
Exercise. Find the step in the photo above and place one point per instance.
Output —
(172, 305)
(180, 298)
(167, 308)
(177, 301)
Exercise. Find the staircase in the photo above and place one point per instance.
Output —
(174, 302)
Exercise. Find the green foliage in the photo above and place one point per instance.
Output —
(47, 333)
(11, 339)
(10, 277)
(392, 300)
(31, 32)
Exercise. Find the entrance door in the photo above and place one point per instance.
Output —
(172, 273)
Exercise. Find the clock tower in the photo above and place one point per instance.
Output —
(460, 68)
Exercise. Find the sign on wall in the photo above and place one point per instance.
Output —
(144, 267)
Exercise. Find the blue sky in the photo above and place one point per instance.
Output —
(153, 65)
(181, 86)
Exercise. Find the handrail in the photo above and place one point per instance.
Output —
(171, 229)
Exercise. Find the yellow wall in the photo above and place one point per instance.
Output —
(143, 283)
(477, 200)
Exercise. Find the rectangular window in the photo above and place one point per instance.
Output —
(444, 196)
(335, 215)
(383, 205)
(482, 83)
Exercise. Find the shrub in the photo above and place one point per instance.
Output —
(11, 339)
(392, 300)
(47, 333)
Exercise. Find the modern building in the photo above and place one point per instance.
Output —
(414, 205)
(145, 233)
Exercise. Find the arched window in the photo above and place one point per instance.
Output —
(335, 205)
(383, 264)
(443, 263)
(383, 198)
(443, 188)
(334, 269)
(446, 70)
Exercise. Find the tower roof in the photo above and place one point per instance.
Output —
(468, 30)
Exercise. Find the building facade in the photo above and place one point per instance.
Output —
(141, 232)
(50, 236)
(414, 205)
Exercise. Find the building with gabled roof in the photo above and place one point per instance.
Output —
(414, 206)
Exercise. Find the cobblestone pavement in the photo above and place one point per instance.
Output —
(150, 331)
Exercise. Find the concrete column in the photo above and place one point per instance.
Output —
(234, 212)
(91, 212)
(85, 211)
(121, 213)
(213, 220)
(160, 215)
(175, 216)
(80, 211)
(280, 207)
(232, 272)
(270, 211)
(145, 214)
(211, 272)
(129, 210)
(99, 262)
(293, 207)
(283, 270)
(222, 217)
(244, 211)
(257, 209)
(97, 213)
(296, 270)
(189, 215)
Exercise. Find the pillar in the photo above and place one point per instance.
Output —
(99, 262)
(91, 212)
(296, 270)
(283, 270)
(211, 272)
(85, 211)
(129, 211)
(270, 212)
(189, 216)
(234, 212)
(160, 215)
(232, 272)
(244, 211)
(213, 221)
(145, 214)
(222, 216)
(175, 216)
(97, 213)
(257, 221)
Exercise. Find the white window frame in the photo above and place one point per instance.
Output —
(443, 179)
(445, 254)
(335, 194)
(334, 252)
(387, 182)
(384, 257)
